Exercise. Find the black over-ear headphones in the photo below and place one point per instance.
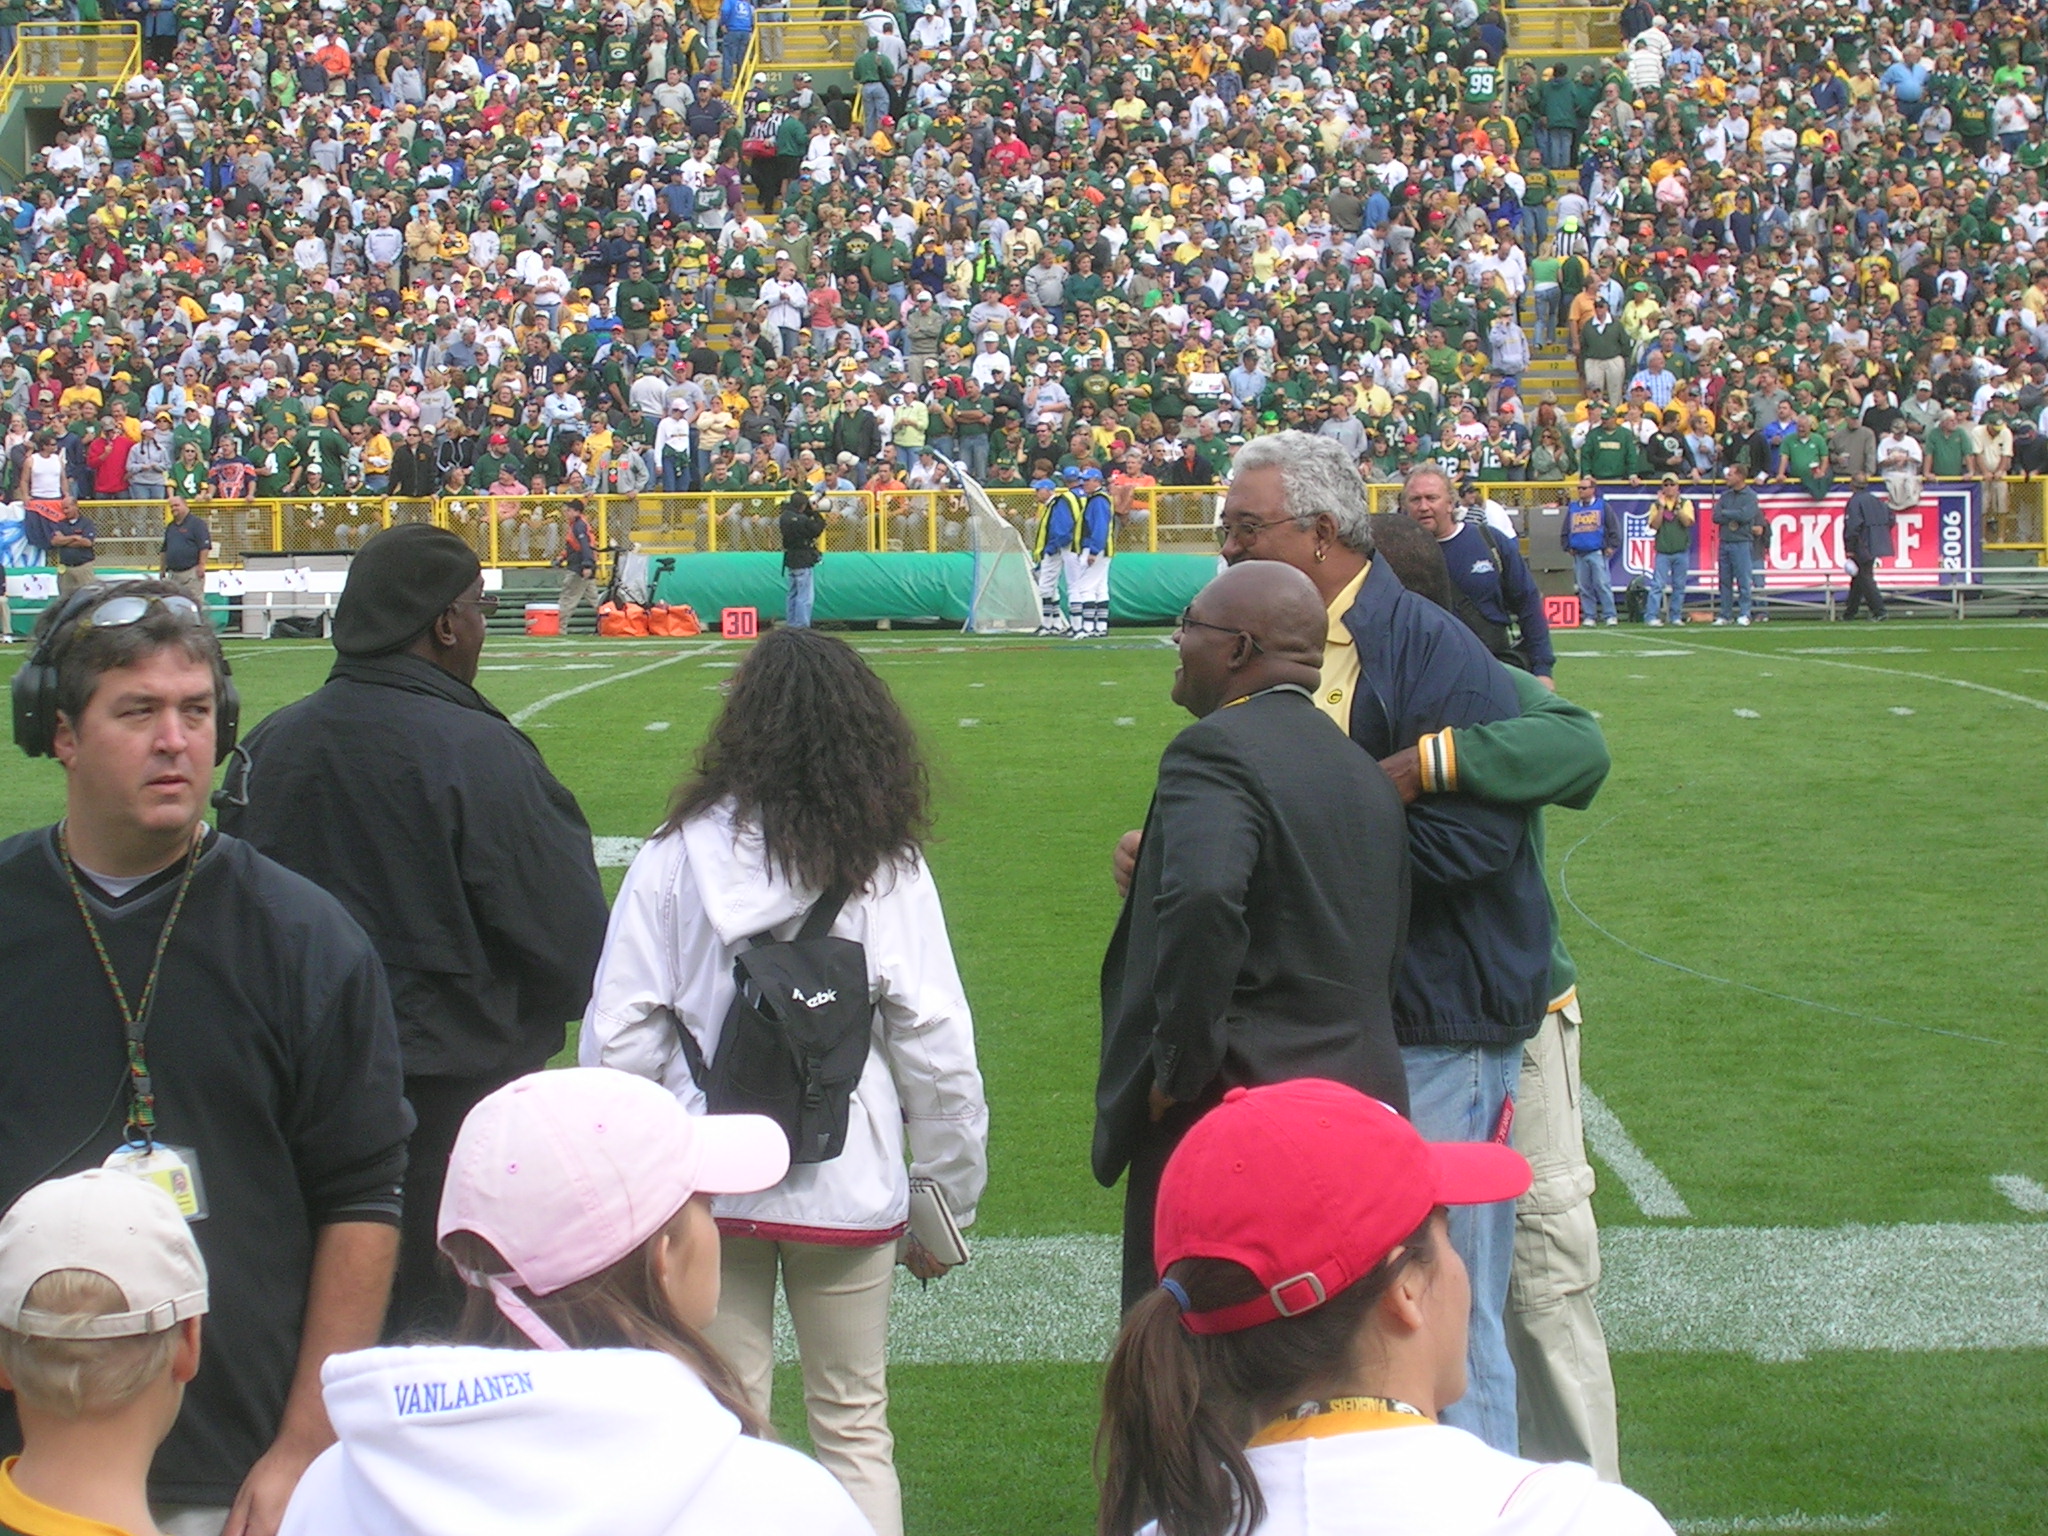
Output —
(35, 685)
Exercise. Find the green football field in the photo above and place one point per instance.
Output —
(1809, 914)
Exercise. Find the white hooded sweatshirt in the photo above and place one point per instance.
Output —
(1433, 1480)
(525, 1442)
(691, 899)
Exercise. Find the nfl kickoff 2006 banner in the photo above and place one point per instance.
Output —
(1940, 542)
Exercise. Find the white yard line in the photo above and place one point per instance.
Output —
(520, 717)
(615, 852)
(2024, 1193)
(1772, 1293)
(1652, 1193)
(1857, 666)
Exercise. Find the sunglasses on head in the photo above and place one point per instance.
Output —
(119, 612)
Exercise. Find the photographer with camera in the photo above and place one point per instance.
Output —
(801, 527)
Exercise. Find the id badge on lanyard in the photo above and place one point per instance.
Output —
(173, 1169)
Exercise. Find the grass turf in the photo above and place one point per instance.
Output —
(1792, 809)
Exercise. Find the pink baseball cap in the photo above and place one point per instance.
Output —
(565, 1173)
(1310, 1185)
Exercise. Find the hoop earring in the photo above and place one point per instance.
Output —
(1321, 554)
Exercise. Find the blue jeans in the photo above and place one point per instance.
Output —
(801, 584)
(1737, 573)
(1596, 585)
(732, 50)
(1455, 1093)
(1547, 302)
(1667, 586)
(974, 454)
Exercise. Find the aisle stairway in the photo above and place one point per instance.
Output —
(1551, 372)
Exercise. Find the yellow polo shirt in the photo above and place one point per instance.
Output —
(1340, 658)
(19, 1512)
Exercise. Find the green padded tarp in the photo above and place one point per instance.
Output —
(1143, 589)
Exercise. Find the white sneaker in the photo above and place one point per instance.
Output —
(1743, 622)
(1611, 622)
(1719, 622)
(1654, 623)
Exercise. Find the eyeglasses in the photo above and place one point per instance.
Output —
(1244, 529)
(1187, 620)
(485, 604)
(119, 612)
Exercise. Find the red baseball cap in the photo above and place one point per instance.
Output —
(1310, 1185)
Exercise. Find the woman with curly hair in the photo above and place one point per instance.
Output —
(810, 788)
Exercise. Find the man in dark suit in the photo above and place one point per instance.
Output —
(1867, 523)
(1263, 925)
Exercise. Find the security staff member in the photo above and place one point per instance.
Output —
(1087, 566)
(398, 787)
(579, 555)
(187, 541)
(1059, 514)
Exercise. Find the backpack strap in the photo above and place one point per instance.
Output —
(822, 915)
(693, 1053)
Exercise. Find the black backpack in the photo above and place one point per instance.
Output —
(796, 1037)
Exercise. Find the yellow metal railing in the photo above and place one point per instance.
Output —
(1563, 29)
(67, 52)
(526, 530)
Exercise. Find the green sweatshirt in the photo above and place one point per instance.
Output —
(1551, 754)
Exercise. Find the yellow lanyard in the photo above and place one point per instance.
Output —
(1340, 1416)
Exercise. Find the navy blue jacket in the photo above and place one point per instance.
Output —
(1469, 554)
(1476, 968)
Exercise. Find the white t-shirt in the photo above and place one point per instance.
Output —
(1432, 1480)
(46, 476)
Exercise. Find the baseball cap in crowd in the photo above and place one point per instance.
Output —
(564, 1173)
(119, 1226)
(1310, 1185)
(1091, 473)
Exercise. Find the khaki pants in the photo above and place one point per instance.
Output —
(1564, 1388)
(576, 591)
(192, 583)
(1607, 375)
(839, 1301)
(72, 577)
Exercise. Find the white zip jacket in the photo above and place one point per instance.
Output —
(1435, 1481)
(691, 900)
(526, 1442)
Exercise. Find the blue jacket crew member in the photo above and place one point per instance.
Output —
(1088, 565)
(1590, 533)
(1489, 571)
(1059, 516)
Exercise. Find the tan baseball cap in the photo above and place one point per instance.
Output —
(117, 1225)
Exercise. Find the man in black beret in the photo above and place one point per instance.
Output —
(433, 819)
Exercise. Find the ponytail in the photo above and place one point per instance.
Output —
(1179, 1408)
(1167, 1449)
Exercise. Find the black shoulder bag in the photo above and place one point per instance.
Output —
(796, 1037)
(1506, 641)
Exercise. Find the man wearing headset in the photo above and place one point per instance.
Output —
(174, 1004)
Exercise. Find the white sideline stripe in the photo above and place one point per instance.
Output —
(520, 717)
(615, 852)
(1772, 1293)
(1792, 1522)
(1652, 1193)
(1857, 666)
(2024, 1193)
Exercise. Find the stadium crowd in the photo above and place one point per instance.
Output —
(522, 247)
